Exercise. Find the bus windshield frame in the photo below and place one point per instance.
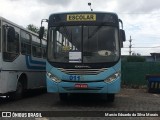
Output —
(83, 44)
(75, 39)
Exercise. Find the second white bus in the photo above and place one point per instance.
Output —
(22, 60)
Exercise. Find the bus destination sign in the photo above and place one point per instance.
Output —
(81, 17)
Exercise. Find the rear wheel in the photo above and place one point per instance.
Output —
(18, 94)
(63, 96)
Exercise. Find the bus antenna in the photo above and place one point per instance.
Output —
(89, 4)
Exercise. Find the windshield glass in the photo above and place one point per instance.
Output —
(83, 44)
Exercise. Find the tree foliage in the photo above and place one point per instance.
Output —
(33, 28)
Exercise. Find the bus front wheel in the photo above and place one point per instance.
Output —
(63, 96)
(110, 97)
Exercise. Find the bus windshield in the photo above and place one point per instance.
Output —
(83, 44)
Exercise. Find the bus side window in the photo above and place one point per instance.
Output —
(11, 47)
(44, 45)
(25, 43)
(36, 51)
(44, 52)
(36, 47)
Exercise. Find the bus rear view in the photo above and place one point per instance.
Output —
(84, 53)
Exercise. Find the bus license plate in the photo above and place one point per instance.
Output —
(81, 86)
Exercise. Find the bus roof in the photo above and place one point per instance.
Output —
(83, 18)
(18, 26)
(79, 12)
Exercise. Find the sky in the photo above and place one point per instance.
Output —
(141, 18)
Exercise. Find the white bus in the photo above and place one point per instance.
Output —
(22, 60)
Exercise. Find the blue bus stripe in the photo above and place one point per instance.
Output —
(36, 62)
(33, 67)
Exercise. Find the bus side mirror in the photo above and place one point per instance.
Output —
(41, 32)
(122, 37)
(11, 34)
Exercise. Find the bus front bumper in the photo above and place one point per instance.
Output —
(92, 87)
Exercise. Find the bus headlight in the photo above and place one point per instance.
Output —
(112, 77)
(52, 77)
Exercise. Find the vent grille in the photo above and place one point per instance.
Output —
(82, 71)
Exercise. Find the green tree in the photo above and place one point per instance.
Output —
(33, 28)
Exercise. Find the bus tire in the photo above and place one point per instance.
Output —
(63, 96)
(18, 94)
(110, 97)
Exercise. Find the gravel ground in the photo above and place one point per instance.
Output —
(127, 100)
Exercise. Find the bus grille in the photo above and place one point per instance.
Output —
(82, 71)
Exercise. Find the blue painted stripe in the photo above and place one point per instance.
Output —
(35, 62)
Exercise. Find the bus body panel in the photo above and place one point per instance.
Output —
(11, 71)
(10, 75)
(93, 87)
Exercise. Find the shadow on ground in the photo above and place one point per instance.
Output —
(86, 100)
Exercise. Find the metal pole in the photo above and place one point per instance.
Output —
(130, 46)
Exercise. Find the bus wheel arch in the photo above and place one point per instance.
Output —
(23, 80)
(20, 87)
